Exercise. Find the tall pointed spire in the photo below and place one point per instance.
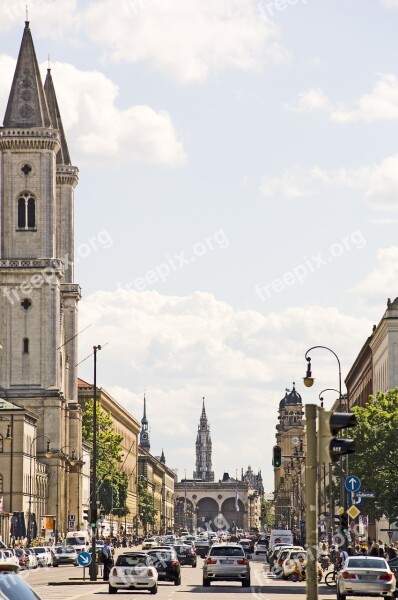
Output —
(163, 458)
(63, 157)
(203, 449)
(27, 106)
(144, 434)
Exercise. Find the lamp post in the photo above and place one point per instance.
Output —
(309, 380)
(48, 454)
(94, 492)
(72, 461)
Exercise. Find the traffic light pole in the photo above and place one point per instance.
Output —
(311, 465)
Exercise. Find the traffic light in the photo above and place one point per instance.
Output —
(93, 517)
(277, 457)
(344, 522)
(85, 514)
(330, 448)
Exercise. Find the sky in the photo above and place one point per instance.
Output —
(237, 202)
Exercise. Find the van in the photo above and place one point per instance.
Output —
(78, 539)
(280, 536)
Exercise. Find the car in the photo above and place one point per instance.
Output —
(226, 562)
(186, 554)
(281, 554)
(27, 558)
(64, 555)
(167, 564)
(149, 543)
(365, 576)
(133, 571)
(393, 564)
(44, 556)
(9, 556)
(288, 561)
(261, 547)
(13, 586)
(247, 545)
(202, 547)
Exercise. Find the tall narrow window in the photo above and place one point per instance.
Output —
(26, 212)
(1, 484)
(1, 443)
(26, 345)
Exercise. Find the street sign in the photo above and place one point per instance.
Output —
(340, 511)
(353, 512)
(366, 494)
(84, 559)
(71, 525)
(352, 483)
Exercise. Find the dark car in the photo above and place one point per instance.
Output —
(167, 565)
(393, 564)
(186, 554)
(247, 545)
(202, 547)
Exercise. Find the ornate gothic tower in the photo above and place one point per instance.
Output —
(203, 449)
(38, 299)
(144, 434)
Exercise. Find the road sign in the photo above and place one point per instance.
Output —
(84, 559)
(353, 512)
(352, 483)
(340, 511)
(366, 494)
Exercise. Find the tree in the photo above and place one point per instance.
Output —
(146, 510)
(267, 513)
(112, 482)
(375, 460)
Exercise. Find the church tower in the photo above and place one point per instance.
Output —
(144, 433)
(203, 449)
(38, 298)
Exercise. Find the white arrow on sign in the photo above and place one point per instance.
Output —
(353, 482)
(85, 560)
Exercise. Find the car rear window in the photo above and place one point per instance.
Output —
(367, 563)
(226, 551)
(131, 561)
(12, 587)
(162, 555)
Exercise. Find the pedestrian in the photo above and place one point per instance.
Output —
(106, 559)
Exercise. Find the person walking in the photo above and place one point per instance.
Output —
(106, 559)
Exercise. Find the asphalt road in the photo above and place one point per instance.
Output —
(264, 586)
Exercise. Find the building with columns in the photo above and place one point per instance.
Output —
(38, 297)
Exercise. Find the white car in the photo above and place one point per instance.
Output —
(149, 543)
(363, 576)
(10, 557)
(133, 571)
(44, 556)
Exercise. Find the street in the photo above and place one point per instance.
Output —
(264, 587)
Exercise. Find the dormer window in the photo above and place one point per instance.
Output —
(26, 212)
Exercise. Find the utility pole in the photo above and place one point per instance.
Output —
(311, 464)
(94, 492)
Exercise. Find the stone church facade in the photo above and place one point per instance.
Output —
(38, 309)
(201, 503)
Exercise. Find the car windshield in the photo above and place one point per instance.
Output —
(76, 541)
(182, 549)
(297, 555)
(131, 561)
(39, 550)
(12, 587)
(367, 563)
(226, 551)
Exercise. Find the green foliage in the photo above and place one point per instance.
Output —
(376, 458)
(146, 509)
(267, 513)
(112, 483)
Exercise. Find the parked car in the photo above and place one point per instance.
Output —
(226, 562)
(365, 576)
(132, 571)
(64, 555)
(44, 556)
(167, 565)
(27, 558)
(186, 554)
(10, 556)
(13, 586)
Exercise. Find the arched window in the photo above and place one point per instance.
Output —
(26, 211)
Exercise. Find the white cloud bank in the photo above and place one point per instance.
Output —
(186, 40)
(179, 349)
(96, 127)
(380, 104)
(378, 183)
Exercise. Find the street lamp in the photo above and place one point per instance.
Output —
(309, 380)
(48, 454)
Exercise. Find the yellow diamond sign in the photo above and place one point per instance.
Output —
(340, 511)
(353, 511)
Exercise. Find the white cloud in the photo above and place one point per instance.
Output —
(186, 40)
(381, 282)
(378, 183)
(380, 104)
(390, 3)
(96, 127)
(310, 101)
(179, 349)
(48, 22)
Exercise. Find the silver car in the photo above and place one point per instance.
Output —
(365, 576)
(226, 562)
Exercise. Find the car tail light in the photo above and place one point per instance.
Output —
(242, 561)
(347, 575)
(150, 573)
(386, 577)
(114, 572)
(174, 563)
(280, 562)
(210, 561)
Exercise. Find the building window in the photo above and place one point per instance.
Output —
(26, 345)
(1, 443)
(1, 484)
(26, 212)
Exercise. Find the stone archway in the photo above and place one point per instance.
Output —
(233, 517)
(183, 514)
(207, 513)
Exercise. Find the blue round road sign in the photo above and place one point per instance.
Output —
(352, 483)
(84, 559)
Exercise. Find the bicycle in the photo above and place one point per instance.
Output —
(330, 578)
